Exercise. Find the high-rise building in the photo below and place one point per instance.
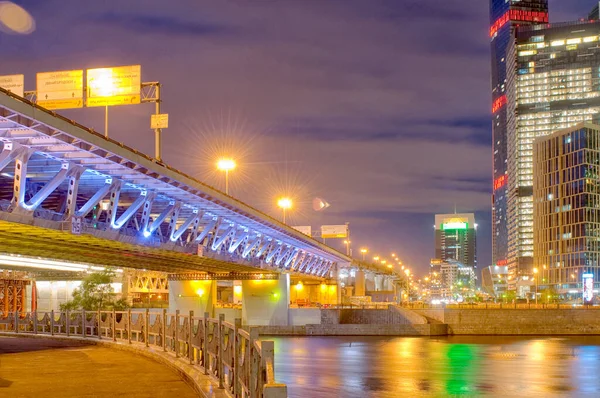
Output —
(566, 189)
(494, 280)
(505, 15)
(552, 84)
(456, 238)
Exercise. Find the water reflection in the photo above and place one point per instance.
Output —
(438, 367)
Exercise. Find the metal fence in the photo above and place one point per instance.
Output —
(504, 306)
(234, 357)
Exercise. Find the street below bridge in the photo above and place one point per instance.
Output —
(57, 368)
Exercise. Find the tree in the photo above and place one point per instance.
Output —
(96, 293)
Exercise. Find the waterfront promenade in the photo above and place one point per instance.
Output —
(60, 368)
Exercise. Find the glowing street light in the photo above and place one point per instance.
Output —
(376, 258)
(363, 251)
(226, 165)
(285, 203)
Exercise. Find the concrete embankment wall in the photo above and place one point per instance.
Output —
(517, 321)
(358, 322)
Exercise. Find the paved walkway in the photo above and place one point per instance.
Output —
(54, 368)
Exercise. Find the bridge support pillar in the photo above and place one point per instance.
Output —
(266, 302)
(359, 283)
(197, 296)
(379, 282)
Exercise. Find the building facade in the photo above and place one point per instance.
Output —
(456, 238)
(494, 280)
(567, 208)
(552, 84)
(505, 15)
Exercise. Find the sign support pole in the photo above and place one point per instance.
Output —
(106, 121)
(157, 131)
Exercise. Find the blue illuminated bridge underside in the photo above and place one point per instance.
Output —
(70, 194)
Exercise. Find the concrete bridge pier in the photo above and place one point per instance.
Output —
(266, 302)
(197, 296)
(359, 283)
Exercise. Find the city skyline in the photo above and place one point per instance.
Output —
(337, 136)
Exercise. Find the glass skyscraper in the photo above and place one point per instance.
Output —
(553, 83)
(505, 15)
(456, 238)
(567, 208)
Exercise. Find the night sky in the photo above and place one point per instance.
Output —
(382, 108)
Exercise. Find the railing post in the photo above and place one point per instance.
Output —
(35, 322)
(205, 356)
(83, 323)
(164, 330)
(52, 323)
(114, 325)
(176, 333)
(190, 348)
(67, 322)
(267, 354)
(16, 319)
(98, 320)
(220, 350)
(146, 327)
(254, 363)
(236, 365)
(129, 326)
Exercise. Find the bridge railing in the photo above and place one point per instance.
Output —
(236, 358)
(504, 306)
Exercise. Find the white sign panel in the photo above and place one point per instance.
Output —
(160, 121)
(588, 288)
(60, 90)
(334, 231)
(305, 229)
(13, 83)
(76, 225)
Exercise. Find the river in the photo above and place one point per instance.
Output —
(438, 367)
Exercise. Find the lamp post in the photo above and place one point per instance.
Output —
(535, 271)
(285, 203)
(363, 251)
(226, 165)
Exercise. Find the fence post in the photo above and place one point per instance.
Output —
(205, 356)
(16, 319)
(220, 350)
(83, 323)
(129, 326)
(254, 363)
(146, 327)
(98, 320)
(114, 325)
(67, 322)
(35, 322)
(52, 323)
(190, 348)
(164, 330)
(176, 333)
(236, 365)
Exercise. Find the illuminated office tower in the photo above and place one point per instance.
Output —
(566, 188)
(505, 15)
(456, 238)
(552, 84)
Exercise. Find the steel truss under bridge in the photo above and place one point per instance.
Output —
(84, 191)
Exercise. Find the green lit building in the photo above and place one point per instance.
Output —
(456, 238)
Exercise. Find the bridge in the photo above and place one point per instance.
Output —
(73, 200)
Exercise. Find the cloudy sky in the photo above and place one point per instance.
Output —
(380, 107)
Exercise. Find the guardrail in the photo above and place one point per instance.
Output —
(241, 364)
(356, 307)
(504, 306)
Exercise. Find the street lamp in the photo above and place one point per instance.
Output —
(363, 251)
(226, 165)
(376, 258)
(535, 271)
(285, 204)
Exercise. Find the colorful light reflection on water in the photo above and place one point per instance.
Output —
(438, 367)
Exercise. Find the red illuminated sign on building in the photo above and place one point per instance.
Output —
(500, 182)
(498, 104)
(518, 16)
(501, 263)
